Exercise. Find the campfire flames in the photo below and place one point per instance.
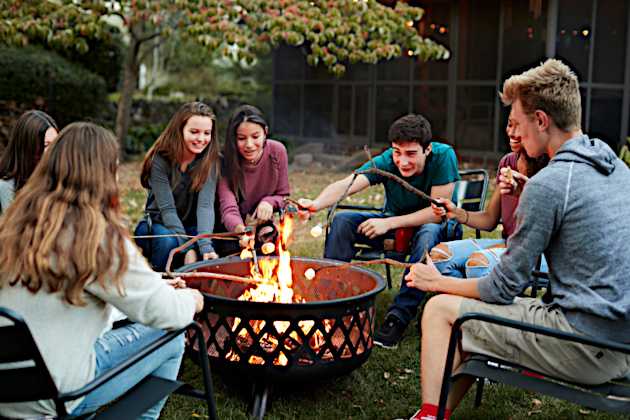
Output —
(275, 285)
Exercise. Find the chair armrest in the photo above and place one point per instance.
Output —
(113, 372)
(561, 335)
(510, 323)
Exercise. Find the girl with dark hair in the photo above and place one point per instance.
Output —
(68, 262)
(255, 170)
(180, 171)
(473, 258)
(31, 135)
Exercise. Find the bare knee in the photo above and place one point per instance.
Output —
(439, 309)
(477, 259)
(441, 252)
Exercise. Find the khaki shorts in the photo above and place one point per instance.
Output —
(561, 359)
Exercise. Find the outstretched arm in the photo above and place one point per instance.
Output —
(487, 219)
(334, 192)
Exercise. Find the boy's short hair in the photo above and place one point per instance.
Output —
(411, 128)
(551, 87)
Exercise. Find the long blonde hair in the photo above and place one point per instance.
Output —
(170, 145)
(64, 227)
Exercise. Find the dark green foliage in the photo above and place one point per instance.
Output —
(32, 75)
(141, 137)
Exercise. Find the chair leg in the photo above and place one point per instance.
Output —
(389, 276)
(479, 391)
(207, 376)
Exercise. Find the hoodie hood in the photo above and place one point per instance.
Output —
(593, 152)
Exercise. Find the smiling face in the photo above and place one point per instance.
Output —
(410, 157)
(515, 140)
(250, 139)
(527, 130)
(49, 136)
(197, 134)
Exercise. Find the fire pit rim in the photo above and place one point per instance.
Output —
(318, 303)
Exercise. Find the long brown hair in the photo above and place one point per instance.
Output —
(170, 145)
(232, 165)
(64, 228)
(26, 146)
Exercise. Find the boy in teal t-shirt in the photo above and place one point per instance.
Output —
(430, 167)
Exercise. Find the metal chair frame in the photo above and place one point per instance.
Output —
(612, 396)
(31, 372)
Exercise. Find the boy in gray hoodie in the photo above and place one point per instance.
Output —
(574, 211)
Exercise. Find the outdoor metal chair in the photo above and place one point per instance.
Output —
(470, 194)
(25, 376)
(613, 396)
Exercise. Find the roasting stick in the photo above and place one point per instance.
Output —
(388, 261)
(217, 276)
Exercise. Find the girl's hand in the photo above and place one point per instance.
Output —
(198, 300)
(210, 256)
(511, 182)
(424, 276)
(190, 257)
(449, 211)
(177, 283)
(264, 211)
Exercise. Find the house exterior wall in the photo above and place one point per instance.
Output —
(489, 41)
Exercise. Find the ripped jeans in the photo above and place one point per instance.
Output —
(118, 345)
(470, 258)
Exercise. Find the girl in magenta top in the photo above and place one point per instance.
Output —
(255, 177)
(473, 258)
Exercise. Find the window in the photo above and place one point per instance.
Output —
(289, 64)
(286, 116)
(430, 101)
(475, 118)
(606, 115)
(392, 102)
(434, 25)
(610, 41)
(524, 36)
(477, 40)
(318, 116)
(573, 40)
(397, 69)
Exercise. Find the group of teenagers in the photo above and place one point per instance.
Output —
(67, 262)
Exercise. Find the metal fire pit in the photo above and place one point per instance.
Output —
(338, 302)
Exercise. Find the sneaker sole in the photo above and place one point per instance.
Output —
(385, 346)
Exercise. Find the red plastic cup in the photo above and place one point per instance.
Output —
(402, 239)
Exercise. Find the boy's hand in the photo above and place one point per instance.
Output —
(423, 276)
(374, 227)
(307, 207)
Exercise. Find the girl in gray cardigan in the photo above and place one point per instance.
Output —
(180, 172)
(32, 133)
(67, 262)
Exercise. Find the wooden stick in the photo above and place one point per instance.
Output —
(217, 276)
(388, 261)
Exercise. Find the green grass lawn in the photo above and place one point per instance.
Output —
(385, 387)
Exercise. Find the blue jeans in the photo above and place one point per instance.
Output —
(118, 345)
(158, 249)
(456, 261)
(343, 235)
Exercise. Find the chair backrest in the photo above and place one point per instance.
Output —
(23, 373)
(471, 189)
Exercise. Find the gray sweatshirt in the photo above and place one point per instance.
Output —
(66, 334)
(576, 211)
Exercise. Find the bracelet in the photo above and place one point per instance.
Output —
(466, 221)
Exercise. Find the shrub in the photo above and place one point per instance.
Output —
(31, 75)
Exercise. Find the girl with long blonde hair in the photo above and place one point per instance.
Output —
(180, 172)
(66, 263)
